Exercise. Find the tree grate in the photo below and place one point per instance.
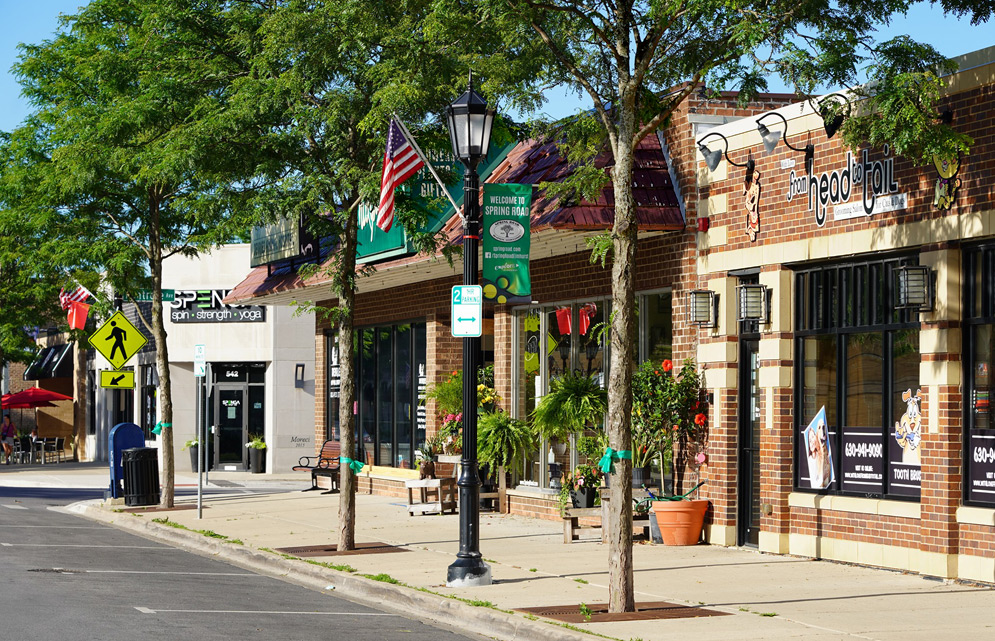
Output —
(598, 612)
(332, 549)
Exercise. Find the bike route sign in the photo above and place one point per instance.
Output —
(118, 340)
(467, 311)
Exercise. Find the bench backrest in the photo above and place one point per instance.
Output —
(330, 450)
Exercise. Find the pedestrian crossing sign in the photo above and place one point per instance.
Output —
(118, 340)
(117, 379)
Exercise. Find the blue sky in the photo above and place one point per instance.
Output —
(33, 21)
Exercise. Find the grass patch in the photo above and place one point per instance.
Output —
(586, 611)
(581, 581)
(767, 614)
(208, 533)
(533, 569)
(383, 578)
(332, 566)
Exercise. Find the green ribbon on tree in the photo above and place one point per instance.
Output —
(354, 465)
(158, 427)
(607, 462)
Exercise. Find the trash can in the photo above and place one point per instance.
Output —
(141, 476)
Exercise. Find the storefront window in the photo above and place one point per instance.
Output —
(858, 421)
(388, 359)
(551, 339)
(148, 394)
(979, 446)
(334, 387)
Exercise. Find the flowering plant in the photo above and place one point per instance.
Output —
(452, 433)
(669, 415)
(582, 477)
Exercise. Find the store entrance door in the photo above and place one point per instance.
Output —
(749, 442)
(231, 428)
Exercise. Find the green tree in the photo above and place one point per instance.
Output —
(127, 157)
(639, 60)
(326, 79)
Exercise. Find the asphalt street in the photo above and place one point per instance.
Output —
(67, 578)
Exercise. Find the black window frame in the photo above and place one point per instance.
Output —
(830, 300)
(372, 450)
(973, 318)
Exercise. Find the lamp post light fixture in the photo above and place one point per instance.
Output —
(702, 307)
(914, 288)
(754, 303)
(470, 124)
(770, 139)
(713, 157)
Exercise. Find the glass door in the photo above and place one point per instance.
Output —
(749, 442)
(231, 429)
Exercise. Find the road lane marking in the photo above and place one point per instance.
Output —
(293, 612)
(179, 573)
(67, 545)
(14, 507)
(60, 527)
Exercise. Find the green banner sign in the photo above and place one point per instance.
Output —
(507, 240)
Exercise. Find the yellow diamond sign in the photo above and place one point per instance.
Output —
(118, 340)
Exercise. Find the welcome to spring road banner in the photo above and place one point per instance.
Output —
(507, 240)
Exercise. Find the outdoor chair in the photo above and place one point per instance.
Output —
(22, 449)
(54, 448)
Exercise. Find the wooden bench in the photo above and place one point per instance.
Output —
(435, 496)
(325, 464)
(573, 515)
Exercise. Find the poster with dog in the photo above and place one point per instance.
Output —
(819, 452)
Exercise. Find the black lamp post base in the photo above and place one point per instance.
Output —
(468, 572)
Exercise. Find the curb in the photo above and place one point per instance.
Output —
(409, 602)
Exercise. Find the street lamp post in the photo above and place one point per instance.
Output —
(470, 131)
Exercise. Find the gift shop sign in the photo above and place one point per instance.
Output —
(873, 180)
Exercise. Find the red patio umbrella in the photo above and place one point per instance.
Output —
(34, 397)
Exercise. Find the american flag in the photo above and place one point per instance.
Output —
(400, 162)
(66, 299)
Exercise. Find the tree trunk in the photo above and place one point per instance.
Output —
(161, 360)
(621, 596)
(347, 392)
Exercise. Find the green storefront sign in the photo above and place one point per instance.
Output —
(507, 240)
(376, 244)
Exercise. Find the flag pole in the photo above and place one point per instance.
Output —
(431, 168)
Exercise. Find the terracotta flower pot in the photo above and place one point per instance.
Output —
(680, 522)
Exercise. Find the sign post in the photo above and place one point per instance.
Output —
(467, 311)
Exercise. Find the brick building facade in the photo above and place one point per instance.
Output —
(901, 390)
(845, 424)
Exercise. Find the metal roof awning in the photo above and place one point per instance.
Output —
(51, 362)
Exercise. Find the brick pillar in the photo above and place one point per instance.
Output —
(503, 354)
(942, 407)
(777, 412)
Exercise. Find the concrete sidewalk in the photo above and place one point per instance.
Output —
(766, 597)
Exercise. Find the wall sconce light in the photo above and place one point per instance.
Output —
(703, 308)
(754, 303)
(770, 139)
(914, 288)
(832, 118)
(712, 158)
(299, 375)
